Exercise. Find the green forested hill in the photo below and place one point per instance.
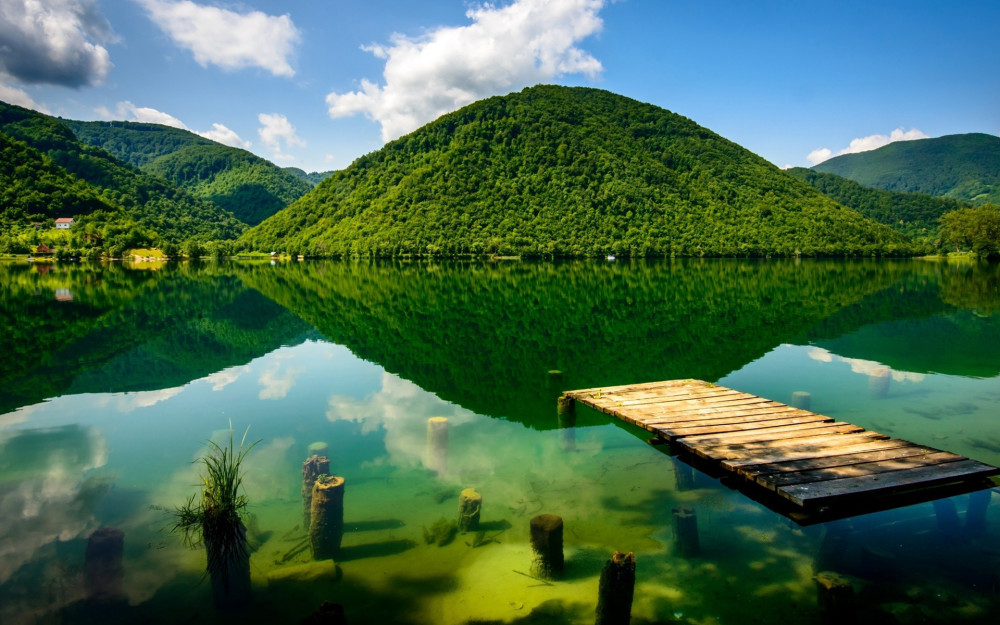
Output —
(915, 214)
(150, 201)
(567, 171)
(962, 167)
(313, 178)
(250, 187)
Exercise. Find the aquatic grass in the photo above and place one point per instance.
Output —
(215, 520)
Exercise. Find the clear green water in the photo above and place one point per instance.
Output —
(107, 398)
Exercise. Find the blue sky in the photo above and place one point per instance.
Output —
(317, 83)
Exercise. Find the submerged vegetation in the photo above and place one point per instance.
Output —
(214, 520)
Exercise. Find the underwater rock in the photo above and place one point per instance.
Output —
(326, 528)
(441, 532)
(312, 468)
(470, 504)
(615, 590)
(103, 572)
(547, 546)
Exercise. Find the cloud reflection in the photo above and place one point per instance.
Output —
(864, 367)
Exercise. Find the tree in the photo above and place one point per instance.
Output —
(977, 229)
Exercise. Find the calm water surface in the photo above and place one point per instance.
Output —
(114, 378)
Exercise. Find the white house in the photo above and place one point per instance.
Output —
(63, 223)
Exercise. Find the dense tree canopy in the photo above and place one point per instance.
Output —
(962, 167)
(976, 229)
(567, 171)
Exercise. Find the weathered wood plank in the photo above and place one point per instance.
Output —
(868, 485)
(734, 464)
(774, 468)
(644, 385)
(776, 480)
(725, 427)
(703, 414)
(752, 416)
(810, 446)
(771, 434)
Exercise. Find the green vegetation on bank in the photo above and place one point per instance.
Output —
(916, 215)
(557, 171)
(976, 229)
(116, 205)
(962, 167)
(313, 178)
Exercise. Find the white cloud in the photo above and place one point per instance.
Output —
(503, 49)
(278, 134)
(129, 112)
(221, 379)
(226, 38)
(54, 42)
(865, 144)
(276, 384)
(225, 136)
(20, 97)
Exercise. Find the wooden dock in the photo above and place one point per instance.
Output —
(818, 466)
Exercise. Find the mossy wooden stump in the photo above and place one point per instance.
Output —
(801, 400)
(103, 572)
(686, 532)
(547, 546)
(312, 468)
(326, 528)
(470, 505)
(615, 590)
(834, 594)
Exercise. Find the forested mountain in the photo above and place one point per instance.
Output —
(250, 187)
(915, 214)
(151, 202)
(962, 167)
(313, 178)
(567, 171)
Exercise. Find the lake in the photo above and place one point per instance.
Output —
(116, 377)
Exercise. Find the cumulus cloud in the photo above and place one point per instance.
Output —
(278, 134)
(129, 112)
(57, 42)
(225, 136)
(503, 49)
(865, 144)
(20, 97)
(228, 39)
(275, 383)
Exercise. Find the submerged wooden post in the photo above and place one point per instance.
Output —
(686, 532)
(878, 382)
(437, 444)
(470, 504)
(312, 468)
(683, 474)
(566, 412)
(975, 514)
(801, 400)
(547, 546)
(834, 594)
(318, 448)
(103, 572)
(326, 528)
(615, 590)
(947, 518)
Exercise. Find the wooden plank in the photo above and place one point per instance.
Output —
(759, 416)
(703, 414)
(726, 427)
(776, 480)
(810, 446)
(678, 408)
(788, 432)
(734, 464)
(665, 401)
(868, 485)
(627, 387)
(793, 466)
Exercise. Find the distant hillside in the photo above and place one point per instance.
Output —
(313, 178)
(961, 167)
(914, 214)
(566, 172)
(250, 187)
(150, 201)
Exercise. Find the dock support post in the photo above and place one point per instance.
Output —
(975, 514)
(326, 528)
(470, 505)
(801, 400)
(437, 444)
(878, 382)
(566, 412)
(547, 546)
(835, 596)
(312, 468)
(318, 448)
(686, 532)
(683, 474)
(615, 590)
(103, 572)
(947, 518)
